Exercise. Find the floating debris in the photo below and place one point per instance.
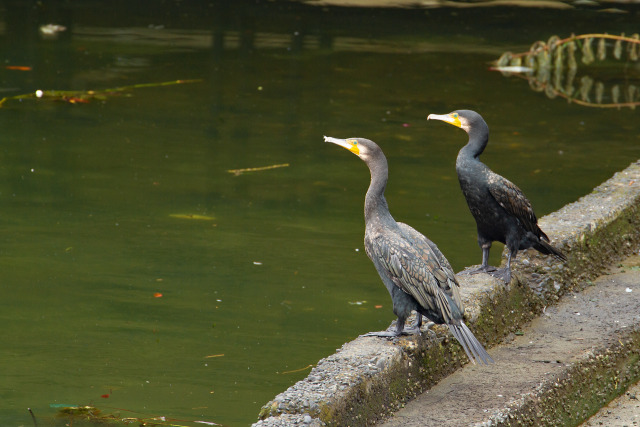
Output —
(51, 30)
(237, 172)
(17, 67)
(193, 216)
(84, 97)
(94, 416)
(513, 69)
(297, 370)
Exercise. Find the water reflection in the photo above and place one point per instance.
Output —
(90, 192)
(552, 68)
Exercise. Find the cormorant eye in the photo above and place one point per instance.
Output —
(455, 115)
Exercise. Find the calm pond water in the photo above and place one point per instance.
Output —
(139, 273)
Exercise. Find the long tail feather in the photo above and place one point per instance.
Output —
(475, 351)
(547, 249)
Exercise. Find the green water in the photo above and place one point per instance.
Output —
(95, 198)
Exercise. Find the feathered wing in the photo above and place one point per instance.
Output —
(432, 255)
(416, 265)
(513, 200)
(470, 344)
(416, 272)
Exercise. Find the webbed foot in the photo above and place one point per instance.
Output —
(387, 334)
(482, 269)
(411, 330)
(503, 274)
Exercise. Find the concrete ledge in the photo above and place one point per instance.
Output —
(558, 370)
(368, 379)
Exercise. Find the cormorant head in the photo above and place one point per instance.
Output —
(361, 147)
(464, 119)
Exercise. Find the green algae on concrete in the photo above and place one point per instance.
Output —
(583, 389)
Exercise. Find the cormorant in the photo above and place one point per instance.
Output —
(501, 210)
(415, 272)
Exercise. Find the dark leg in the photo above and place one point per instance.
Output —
(505, 273)
(400, 329)
(485, 267)
(485, 257)
(415, 328)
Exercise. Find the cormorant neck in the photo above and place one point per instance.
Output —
(375, 205)
(478, 139)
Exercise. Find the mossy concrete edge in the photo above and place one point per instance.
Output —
(581, 389)
(369, 378)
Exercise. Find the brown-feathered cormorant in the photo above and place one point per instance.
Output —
(413, 269)
(500, 208)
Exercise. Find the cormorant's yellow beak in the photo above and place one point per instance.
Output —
(349, 144)
(451, 118)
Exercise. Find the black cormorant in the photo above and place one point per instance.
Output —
(500, 208)
(413, 269)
